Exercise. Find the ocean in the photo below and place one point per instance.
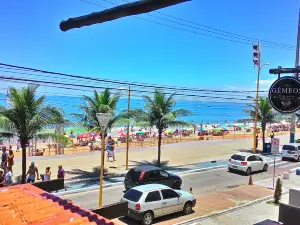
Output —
(207, 112)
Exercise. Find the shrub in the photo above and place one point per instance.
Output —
(278, 191)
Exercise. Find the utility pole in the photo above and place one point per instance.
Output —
(256, 61)
(128, 124)
(293, 116)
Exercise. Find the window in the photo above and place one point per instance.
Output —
(251, 158)
(163, 174)
(257, 158)
(153, 174)
(298, 147)
(238, 157)
(133, 195)
(133, 175)
(153, 196)
(289, 147)
(168, 194)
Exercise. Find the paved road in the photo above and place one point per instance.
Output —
(201, 182)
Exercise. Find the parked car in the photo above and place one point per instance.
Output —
(150, 201)
(150, 175)
(291, 151)
(247, 163)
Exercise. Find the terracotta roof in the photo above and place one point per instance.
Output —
(26, 204)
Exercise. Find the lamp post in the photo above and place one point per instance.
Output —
(256, 60)
(103, 119)
(128, 124)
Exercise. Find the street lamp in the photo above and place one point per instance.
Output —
(128, 124)
(103, 119)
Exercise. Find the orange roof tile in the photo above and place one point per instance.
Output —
(26, 204)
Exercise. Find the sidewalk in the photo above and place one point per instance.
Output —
(210, 203)
(184, 154)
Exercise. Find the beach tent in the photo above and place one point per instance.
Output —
(140, 133)
(170, 131)
(218, 129)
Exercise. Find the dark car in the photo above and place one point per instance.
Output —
(151, 175)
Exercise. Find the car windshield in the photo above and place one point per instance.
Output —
(133, 174)
(238, 157)
(133, 195)
(289, 147)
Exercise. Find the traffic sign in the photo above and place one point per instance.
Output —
(275, 145)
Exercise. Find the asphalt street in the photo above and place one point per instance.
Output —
(201, 183)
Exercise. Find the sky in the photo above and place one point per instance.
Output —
(136, 50)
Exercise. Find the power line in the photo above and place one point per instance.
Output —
(95, 87)
(125, 82)
(219, 30)
(182, 29)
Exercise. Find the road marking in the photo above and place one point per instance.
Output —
(289, 165)
(272, 164)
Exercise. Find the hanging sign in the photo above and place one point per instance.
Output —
(284, 95)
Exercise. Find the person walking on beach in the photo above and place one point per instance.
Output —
(272, 135)
(32, 173)
(4, 159)
(10, 160)
(18, 146)
(110, 147)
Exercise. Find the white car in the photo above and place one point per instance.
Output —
(247, 163)
(291, 151)
(150, 201)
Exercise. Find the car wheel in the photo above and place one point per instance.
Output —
(176, 185)
(248, 171)
(230, 170)
(187, 209)
(265, 169)
(147, 218)
(283, 159)
(298, 158)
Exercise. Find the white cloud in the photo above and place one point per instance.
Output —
(230, 87)
(267, 82)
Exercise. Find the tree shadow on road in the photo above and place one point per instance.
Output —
(163, 165)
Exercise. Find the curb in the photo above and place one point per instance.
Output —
(195, 221)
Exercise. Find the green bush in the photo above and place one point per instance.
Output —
(278, 191)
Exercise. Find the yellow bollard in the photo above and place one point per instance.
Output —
(191, 190)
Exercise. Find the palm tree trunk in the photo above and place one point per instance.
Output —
(159, 147)
(263, 128)
(23, 146)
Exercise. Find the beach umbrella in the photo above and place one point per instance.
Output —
(123, 134)
(83, 135)
(67, 136)
(72, 136)
(140, 132)
(170, 131)
(218, 129)
(94, 134)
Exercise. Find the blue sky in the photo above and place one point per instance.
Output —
(135, 50)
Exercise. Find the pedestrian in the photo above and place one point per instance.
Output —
(272, 135)
(18, 146)
(8, 177)
(10, 160)
(47, 175)
(4, 159)
(110, 147)
(2, 179)
(60, 172)
(32, 173)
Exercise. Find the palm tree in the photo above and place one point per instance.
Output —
(26, 116)
(265, 114)
(103, 102)
(159, 112)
